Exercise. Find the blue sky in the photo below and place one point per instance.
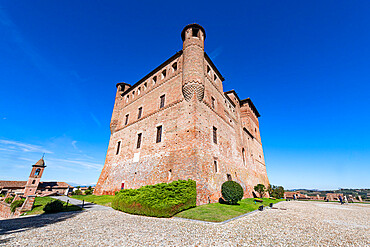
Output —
(305, 64)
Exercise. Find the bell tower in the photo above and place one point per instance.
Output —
(34, 178)
(193, 36)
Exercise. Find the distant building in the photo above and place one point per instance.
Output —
(333, 196)
(33, 186)
(290, 195)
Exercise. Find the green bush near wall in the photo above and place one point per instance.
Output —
(9, 199)
(160, 200)
(16, 204)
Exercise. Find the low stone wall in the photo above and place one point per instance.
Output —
(5, 211)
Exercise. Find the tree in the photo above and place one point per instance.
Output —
(279, 192)
(260, 188)
(270, 189)
(275, 191)
(88, 192)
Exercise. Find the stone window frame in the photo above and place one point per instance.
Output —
(159, 134)
(37, 172)
(169, 174)
(127, 118)
(139, 140)
(243, 155)
(118, 147)
(162, 101)
(214, 135)
(216, 166)
(140, 112)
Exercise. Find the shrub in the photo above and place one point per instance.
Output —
(16, 204)
(9, 199)
(88, 192)
(53, 207)
(77, 192)
(160, 200)
(260, 188)
(275, 191)
(232, 192)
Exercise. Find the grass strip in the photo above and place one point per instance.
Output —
(40, 202)
(216, 212)
(104, 200)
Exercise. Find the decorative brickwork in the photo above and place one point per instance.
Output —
(196, 112)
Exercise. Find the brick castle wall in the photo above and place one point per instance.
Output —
(194, 104)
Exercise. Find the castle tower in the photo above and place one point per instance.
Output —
(118, 105)
(34, 178)
(193, 36)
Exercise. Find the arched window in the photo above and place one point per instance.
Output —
(37, 172)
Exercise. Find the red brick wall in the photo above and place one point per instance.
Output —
(187, 149)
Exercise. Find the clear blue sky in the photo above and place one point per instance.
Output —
(305, 64)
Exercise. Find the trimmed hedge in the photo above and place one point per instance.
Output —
(16, 204)
(160, 200)
(232, 192)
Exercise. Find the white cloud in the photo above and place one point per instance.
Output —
(73, 163)
(75, 146)
(7, 145)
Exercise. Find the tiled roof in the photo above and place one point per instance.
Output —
(54, 185)
(22, 184)
(40, 163)
(12, 184)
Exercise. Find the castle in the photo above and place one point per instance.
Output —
(178, 123)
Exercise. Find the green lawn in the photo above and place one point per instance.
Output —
(217, 212)
(105, 200)
(40, 202)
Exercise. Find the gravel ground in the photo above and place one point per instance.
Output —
(301, 224)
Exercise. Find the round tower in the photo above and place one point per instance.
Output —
(193, 36)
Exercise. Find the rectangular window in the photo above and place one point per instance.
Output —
(139, 140)
(213, 102)
(118, 147)
(216, 167)
(159, 134)
(162, 101)
(126, 120)
(215, 135)
(229, 177)
(140, 112)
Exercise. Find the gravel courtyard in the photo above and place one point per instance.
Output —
(301, 224)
